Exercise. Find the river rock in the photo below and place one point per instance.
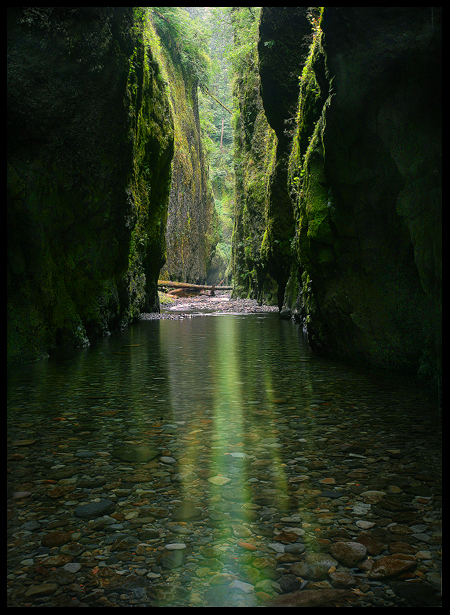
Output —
(372, 497)
(342, 579)
(315, 566)
(185, 511)
(55, 539)
(373, 544)
(219, 480)
(57, 560)
(294, 548)
(245, 588)
(286, 537)
(45, 589)
(94, 509)
(172, 559)
(348, 553)
(392, 565)
(311, 597)
(61, 491)
(132, 453)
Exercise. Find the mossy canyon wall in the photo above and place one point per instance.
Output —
(90, 145)
(349, 222)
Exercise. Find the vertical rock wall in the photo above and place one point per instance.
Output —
(362, 180)
(192, 225)
(90, 141)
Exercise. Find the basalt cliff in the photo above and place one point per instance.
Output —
(96, 108)
(349, 222)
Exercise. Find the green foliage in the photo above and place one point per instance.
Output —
(186, 38)
(244, 21)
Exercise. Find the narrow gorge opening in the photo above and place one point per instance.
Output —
(224, 303)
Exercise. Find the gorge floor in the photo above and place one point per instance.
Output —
(324, 491)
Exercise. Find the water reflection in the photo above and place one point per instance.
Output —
(252, 420)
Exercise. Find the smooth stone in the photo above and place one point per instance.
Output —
(135, 453)
(168, 460)
(210, 552)
(314, 567)
(23, 442)
(348, 553)
(30, 526)
(423, 555)
(402, 547)
(287, 558)
(391, 566)
(240, 531)
(286, 536)
(172, 559)
(55, 539)
(174, 546)
(185, 511)
(364, 525)
(294, 548)
(373, 544)
(72, 567)
(223, 596)
(311, 598)
(332, 494)
(57, 560)
(179, 529)
(245, 588)
(221, 578)
(41, 590)
(361, 509)
(291, 519)
(265, 585)
(94, 509)
(342, 579)
(17, 495)
(372, 497)
(61, 491)
(277, 546)
(421, 527)
(289, 583)
(219, 480)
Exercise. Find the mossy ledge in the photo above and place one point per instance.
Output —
(90, 143)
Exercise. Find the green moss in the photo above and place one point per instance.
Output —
(87, 209)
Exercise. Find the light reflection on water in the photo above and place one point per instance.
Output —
(218, 393)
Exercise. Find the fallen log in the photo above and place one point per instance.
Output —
(192, 286)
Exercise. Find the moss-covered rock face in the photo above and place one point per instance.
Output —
(365, 171)
(90, 141)
(255, 144)
(352, 202)
(192, 225)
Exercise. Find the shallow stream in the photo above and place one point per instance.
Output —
(216, 461)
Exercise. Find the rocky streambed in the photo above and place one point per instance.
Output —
(220, 303)
(342, 516)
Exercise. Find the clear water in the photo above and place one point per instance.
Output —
(212, 388)
(233, 369)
